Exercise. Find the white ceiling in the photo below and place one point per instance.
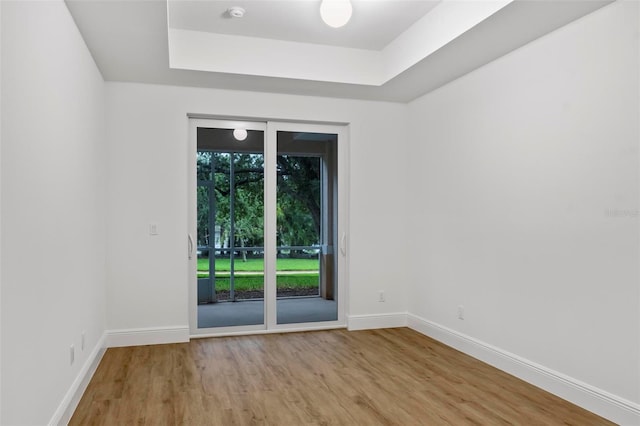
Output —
(129, 41)
(375, 23)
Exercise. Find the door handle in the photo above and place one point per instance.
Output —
(343, 244)
(190, 246)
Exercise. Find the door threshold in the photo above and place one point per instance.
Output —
(271, 331)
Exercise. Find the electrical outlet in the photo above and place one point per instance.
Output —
(381, 296)
(153, 228)
(82, 341)
(72, 354)
(460, 312)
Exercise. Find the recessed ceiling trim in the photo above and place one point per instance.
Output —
(233, 54)
(443, 24)
(128, 40)
(204, 51)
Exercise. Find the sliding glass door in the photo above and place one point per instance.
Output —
(230, 226)
(305, 236)
(265, 221)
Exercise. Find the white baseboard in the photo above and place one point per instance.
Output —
(74, 394)
(366, 322)
(605, 404)
(147, 336)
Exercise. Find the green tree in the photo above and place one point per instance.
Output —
(298, 209)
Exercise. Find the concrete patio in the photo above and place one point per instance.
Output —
(251, 312)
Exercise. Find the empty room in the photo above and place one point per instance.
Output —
(345, 212)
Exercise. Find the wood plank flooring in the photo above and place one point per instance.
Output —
(337, 377)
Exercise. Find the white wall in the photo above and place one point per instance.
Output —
(524, 183)
(53, 220)
(147, 139)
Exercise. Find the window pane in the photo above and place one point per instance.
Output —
(305, 227)
(231, 226)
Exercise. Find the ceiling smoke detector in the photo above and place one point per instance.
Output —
(236, 12)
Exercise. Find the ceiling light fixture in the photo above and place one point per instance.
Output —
(236, 12)
(240, 134)
(335, 13)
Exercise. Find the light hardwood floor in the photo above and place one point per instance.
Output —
(376, 377)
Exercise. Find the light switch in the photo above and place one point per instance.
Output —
(153, 229)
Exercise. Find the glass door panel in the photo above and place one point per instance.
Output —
(230, 228)
(306, 211)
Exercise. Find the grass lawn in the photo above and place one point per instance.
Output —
(258, 265)
(256, 282)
